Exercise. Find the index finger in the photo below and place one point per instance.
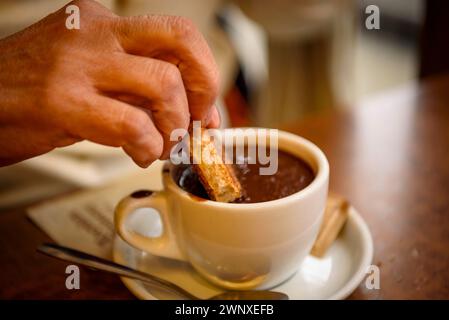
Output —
(176, 40)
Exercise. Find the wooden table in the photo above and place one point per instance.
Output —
(389, 157)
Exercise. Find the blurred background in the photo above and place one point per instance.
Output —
(280, 61)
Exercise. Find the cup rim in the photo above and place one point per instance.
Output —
(321, 176)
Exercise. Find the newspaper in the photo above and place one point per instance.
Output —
(84, 220)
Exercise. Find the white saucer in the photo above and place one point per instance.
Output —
(335, 276)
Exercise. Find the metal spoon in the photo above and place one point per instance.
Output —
(72, 255)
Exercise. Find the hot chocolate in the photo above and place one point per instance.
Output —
(293, 175)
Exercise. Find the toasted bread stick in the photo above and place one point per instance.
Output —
(217, 177)
(335, 216)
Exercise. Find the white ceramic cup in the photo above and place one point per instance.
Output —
(235, 245)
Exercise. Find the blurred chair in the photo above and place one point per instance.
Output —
(309, 57)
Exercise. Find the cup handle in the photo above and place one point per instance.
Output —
(165, 245)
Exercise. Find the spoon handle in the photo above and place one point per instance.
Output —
(72, 255)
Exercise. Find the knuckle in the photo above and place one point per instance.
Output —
(48, 97)
(52, 96)
(183, 27)
(133, 125)
(80, 3)
(179, 119)
(147, 153)
(122, 26)
(94, 15)
(83, 5)
(88, 4)
(155, 152)
(170, 78)
(64, 105)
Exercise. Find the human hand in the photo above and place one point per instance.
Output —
(123, 82)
